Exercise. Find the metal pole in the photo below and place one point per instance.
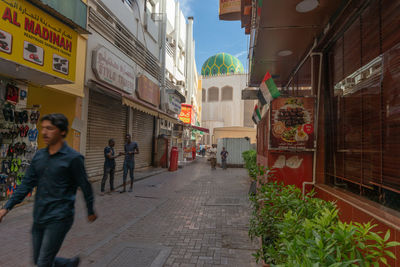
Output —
(163, 54)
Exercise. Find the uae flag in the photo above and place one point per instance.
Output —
(256, 115)
(268, 88)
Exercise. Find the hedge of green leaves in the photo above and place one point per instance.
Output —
(250, 163)
(299, 230)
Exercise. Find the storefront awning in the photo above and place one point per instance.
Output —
(146, 108)
(201, 129)
(142, 107)
(168, 118)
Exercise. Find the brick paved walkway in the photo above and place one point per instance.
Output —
(192, 217)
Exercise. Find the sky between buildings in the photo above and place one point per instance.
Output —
(212, 35)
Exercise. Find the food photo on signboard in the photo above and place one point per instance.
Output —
(292, 123)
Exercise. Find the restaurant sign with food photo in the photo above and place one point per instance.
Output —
(292, 123)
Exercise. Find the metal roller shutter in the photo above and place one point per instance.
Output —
(107, 118)
(142, 130)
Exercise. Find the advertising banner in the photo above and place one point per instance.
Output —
(186, 114)
(292, 123)
(32, 38)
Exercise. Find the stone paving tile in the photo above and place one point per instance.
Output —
(170, 210)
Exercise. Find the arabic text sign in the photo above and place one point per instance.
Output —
(186, 114)
(174, 103)
(31, 37)
(110, 69)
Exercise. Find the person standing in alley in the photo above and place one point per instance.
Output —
(213, 157)
(193, 152)
(224, 156)
(109, 165)
(203, 151)
(57, 171)
(130, 148)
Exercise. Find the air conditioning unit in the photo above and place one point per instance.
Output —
(171, 41)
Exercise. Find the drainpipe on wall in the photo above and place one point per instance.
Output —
(177, 37)
(163, 44)
(316, 120)
(189, 60)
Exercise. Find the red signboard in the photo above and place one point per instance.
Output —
(186, 114)
(291, 168)
(292, 123)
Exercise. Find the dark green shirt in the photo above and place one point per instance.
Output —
(57, 178)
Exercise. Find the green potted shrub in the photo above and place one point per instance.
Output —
(297, 230)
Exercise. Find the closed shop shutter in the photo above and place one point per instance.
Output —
(107, 118)
(142, 130)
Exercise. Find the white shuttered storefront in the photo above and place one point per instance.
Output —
(107, 118)
(142, 134)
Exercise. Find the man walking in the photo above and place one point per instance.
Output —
(56, 171)
(130, 148)
(109, 165)
(224, 156)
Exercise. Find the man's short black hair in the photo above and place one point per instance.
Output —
(111, 141)
(57, 119)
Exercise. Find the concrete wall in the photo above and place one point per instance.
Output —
(236, 132)
(223, 113)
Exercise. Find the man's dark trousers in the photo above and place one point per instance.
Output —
(47, 240)
(107, 171)
(129, 165)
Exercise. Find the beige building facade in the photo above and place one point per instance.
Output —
(224, 112)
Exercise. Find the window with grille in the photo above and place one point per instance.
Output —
(213, 94)
(227, 93)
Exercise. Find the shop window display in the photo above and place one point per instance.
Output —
(18, 136)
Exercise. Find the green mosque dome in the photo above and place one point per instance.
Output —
(220, 64)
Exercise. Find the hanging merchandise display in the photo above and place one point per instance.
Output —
(18, 135)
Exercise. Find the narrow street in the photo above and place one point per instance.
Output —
(192, 217)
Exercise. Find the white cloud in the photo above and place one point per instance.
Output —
(186, 6)
(241, 54)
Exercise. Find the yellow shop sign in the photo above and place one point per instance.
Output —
(31, 37)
